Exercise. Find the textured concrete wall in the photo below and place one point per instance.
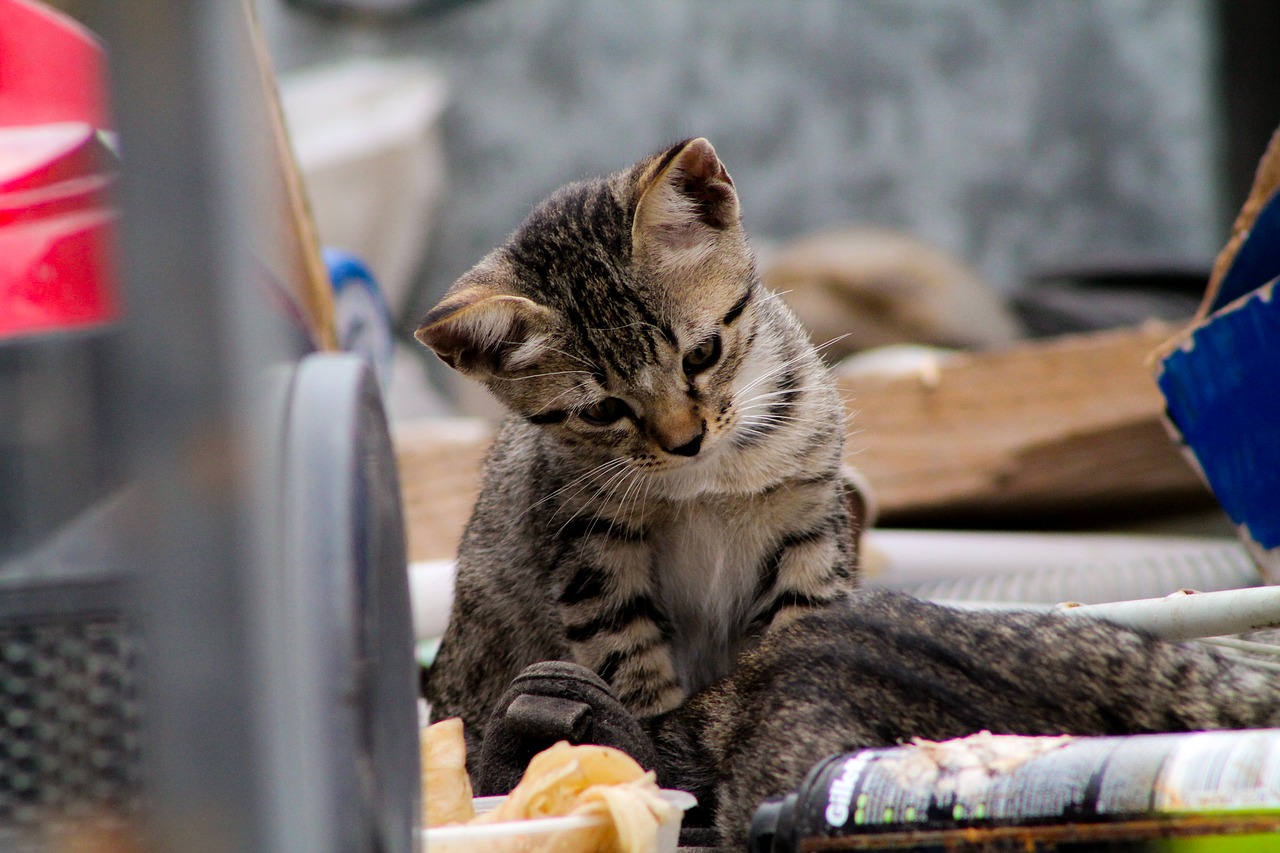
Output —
(1017, 132)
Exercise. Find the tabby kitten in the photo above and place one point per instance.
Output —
(667, 487)
(881, 668)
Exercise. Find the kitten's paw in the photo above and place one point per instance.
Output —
(549, 702)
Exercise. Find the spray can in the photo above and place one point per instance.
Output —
(1176, 793)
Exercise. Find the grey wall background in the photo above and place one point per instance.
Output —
(1018, 133)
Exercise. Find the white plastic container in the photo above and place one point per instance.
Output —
(366, 136)
(542, 834)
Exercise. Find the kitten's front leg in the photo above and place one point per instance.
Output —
(809, 567)
(611, 622)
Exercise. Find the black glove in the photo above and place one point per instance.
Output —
(549, 702)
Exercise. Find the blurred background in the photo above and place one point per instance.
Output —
(1100, 140)
(1026, 138)
(1015, 134)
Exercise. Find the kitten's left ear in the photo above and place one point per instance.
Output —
(478, 331)
(686, 202)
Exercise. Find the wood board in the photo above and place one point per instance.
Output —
(1041, 433)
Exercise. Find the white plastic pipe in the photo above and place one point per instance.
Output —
(915, 556)
(430, 597)
(1180, 616)
(1189, 616)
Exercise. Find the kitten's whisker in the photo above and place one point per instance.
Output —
(770, 414)
(609, 488)
(772, 417)
(837, 339)
(546, 346)
(543, 376)
(758, 403)
(632, 493)
(607, 484)
(625, 488)
(797, 391)
(774, 371)
(595, 497)
(762, 429)
(642, 499)
(648, 485)
(770, 410)
(627, 326)
(594, 472)
(764, 377)
(570, 390)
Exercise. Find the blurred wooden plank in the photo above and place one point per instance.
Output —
(1048, 430)
(439, 479)
(295, 261)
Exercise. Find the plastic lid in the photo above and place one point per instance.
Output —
(56, 229)
(53, 68)
(771, 826)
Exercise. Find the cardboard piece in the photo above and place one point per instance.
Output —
(1057, 433)
(1221, 376)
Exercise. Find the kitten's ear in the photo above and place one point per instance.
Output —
(479, 331)
(686, 201)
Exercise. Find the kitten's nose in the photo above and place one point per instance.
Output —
(690, 447)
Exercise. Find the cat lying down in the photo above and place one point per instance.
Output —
(877, 670)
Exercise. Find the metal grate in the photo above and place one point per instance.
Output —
(69, 721)
(1031, 568)
(1102, 581)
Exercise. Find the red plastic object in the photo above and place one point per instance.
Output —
(51, 68)
(35, 157)
(56, 219)
(51, 274)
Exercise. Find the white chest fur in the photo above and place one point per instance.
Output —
(706, 567)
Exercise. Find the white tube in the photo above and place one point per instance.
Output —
(430, 597)
(1188, 616)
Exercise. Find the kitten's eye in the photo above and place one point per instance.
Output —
(605, 412)
(702, 356)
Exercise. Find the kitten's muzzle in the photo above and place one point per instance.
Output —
(688, 448)
(674, 424)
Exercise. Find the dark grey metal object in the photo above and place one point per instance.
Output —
(377, 10)
(1040, 568)
(327, 627)
(344, 604)
(251, 739)
(60, 436)
(201, 439)
(70, 673)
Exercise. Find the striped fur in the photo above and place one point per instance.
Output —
(667, 487)
(884, 668)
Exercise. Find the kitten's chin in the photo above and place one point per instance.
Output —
(681, 479)
(717, 470)
(684, 483)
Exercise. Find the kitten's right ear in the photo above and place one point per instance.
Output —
(478, 331)
(686, 200)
